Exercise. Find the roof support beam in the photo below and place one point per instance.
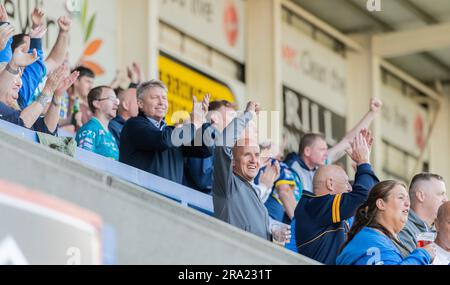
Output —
(419, 12)
(401, 43)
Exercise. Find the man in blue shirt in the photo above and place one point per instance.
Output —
(321, 218)
(94, 135)
(35, 75)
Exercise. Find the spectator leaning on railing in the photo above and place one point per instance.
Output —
(373, 238)
(147, 143)
(321, 218)
(427, 193)
(94, 136)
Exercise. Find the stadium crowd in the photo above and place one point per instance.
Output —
(305, 198)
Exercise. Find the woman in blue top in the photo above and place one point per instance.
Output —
(373, 238)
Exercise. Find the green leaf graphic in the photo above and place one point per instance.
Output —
(90, 28)
(84, 13)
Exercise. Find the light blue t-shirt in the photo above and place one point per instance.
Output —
(93, 137)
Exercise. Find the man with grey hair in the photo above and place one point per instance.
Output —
(427, 193)
(147, 142)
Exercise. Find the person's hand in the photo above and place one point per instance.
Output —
(54, 79)
(270, 174)
(3, 14)
(199, 111)
(132, 76)
(253, 108)
(138, 72)
(431, 249)
(367, 137)
(375, 105)
(281, 233)
(64, 23)
(115, 83)
(134, 73)
(22, 58)
(205, 103)
(359, 152)
(37, 18)
(66, 83)
(6, 32)
(38, 32)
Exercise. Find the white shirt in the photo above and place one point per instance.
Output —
(442, 256)
(262, 191)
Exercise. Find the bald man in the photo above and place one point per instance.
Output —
(427, 192)
(321, 218)
(443, 235)
(236, 164)
(128, 108)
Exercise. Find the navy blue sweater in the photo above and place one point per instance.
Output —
(321, 225)
(144, 146)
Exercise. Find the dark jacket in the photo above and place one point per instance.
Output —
(13, 116)
(321, 223)
(144, 146)
(115, 127)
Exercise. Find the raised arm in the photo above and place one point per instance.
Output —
(338, 151)
(58, 53)
(331, 209)
(31, 114)
(53, 113)
(6, 33)
(12, 70)
(224, 145)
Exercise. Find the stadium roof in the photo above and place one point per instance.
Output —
(414, 35)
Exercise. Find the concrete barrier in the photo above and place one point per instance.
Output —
(150, 229)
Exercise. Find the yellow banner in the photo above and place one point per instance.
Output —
(183, 83)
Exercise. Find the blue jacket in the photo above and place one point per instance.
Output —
(199, 173)
(115, 127)
(370, 247)
(321, 221)
(146, 147)
(6, 53)
(32, 76)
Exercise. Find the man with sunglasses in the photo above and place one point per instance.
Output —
(94, 136)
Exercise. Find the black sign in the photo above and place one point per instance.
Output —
(303, 115)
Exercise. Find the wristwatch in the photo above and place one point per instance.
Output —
(56, 104)
(11, 70)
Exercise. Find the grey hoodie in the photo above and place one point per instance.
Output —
(413, 227)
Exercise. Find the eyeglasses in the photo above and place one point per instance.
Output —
(114, 99)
